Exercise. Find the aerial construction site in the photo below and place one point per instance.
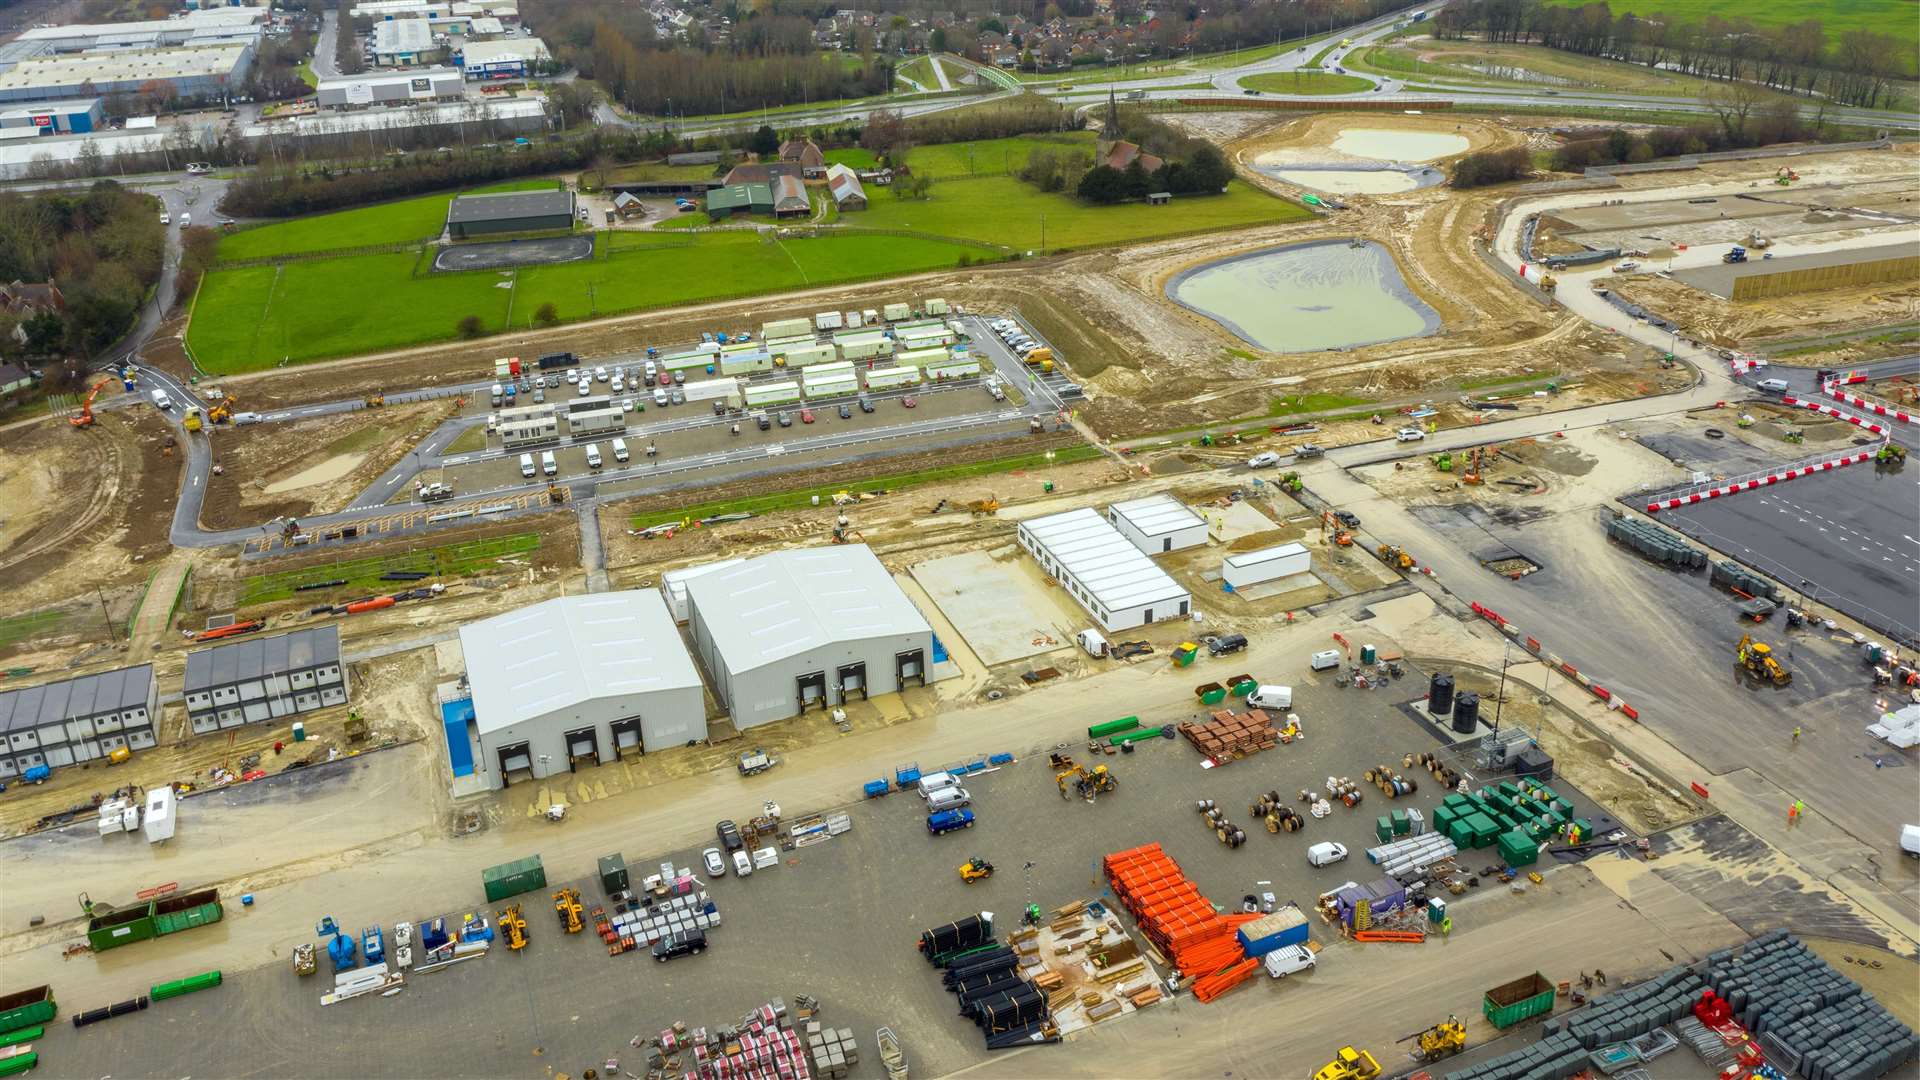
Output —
(1477, 624)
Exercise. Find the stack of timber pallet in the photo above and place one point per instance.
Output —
(1180, 922)
(1230, 736)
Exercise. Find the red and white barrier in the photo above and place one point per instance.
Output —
(1878, 408)
(1532, 645)
(1819, 407)
(1768, 480)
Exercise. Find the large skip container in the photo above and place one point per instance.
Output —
(25, 1008)
(514, 878)
(1522, 999)
(119, 928)
(186, 911)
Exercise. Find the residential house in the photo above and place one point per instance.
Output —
(14, 379)
(23, 300)
(803, 152)
(844, 185)
(1123, 153)
(756, 173)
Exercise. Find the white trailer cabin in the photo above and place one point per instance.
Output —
(1246, 568)
(784, 392)
(1158, 523)
(828, 320)
(892, 378)
(785, 328)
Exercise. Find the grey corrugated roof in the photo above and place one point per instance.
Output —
(507, 205)
(1104, 562)
(559, 653)
(69, 699)
(1157, 515)
(791, 602)
(252, 658)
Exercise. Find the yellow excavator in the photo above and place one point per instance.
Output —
(221, 411)
(1349, 1064)
(985, 507)
(1442, 1040)
(1756, 659)
(566, 903)
(513, 927)
(1397, 558)
(1087, 783)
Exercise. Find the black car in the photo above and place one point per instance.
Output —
(786, 419)
(846, 412)
(688, 943)
(763, 422)
(729, 833)
(866, 403)
(1231, 643)
(1348, 518)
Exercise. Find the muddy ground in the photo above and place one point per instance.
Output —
(310, 467)
(1706, 317)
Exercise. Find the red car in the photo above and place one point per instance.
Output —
(909, 402)
(806, 416)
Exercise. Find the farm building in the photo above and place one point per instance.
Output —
(739, 199)
(790, 197)
(807, 155)
(579, 680)
(264, 678)
(628, 205)
(785, 632)
(1114, 580)
(433, 84)
(1158, 523)
(845, 187)
(1245, 568)
(509, 212)
(77, 720)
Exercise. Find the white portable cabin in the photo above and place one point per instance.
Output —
(952, 369)
(821, 375)
(159, 821)
(785, 328)
(593, 421)
(744, 363)
(1244, 568)
(727, 390)
(837, 388)
(937, 306)
(922, 357)
(1158, 523)
(773, 393)
(691, 361)
(861, 346)
(898, 312)
(891, 378)
(809, 354)
(828, 320)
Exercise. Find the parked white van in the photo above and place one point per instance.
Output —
(547, 464)
(933, 782)
(161, 401)
(620, 450)
(1092, 642)
(593, 455)
(1288, 959)
(952, 798)
(526, 466)
(1267, 696)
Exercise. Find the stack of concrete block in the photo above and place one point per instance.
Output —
(835, 1052)
(1818, 1020)
(695, 911)
(1637, 1009)
(1555, 1057)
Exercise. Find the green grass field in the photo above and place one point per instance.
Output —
(1307, 82)
(1894, 17)
(401, 222)
(658, 170)
(257, 317)
(852, 157)
(363, 575)
(1003, 210)
(989, 156)
(42, 623)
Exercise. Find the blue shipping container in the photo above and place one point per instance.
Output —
(1286, 926)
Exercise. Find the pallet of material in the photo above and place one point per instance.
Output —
(1117, 953)
(1229, 736)
(1220, 982)
(1143, 997)
(1048, 981)
(1124, 971)
(1106, 1010)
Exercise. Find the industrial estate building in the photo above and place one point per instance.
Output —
(577, 681)
(192, 73)
(391, 88)
(77, 720)
(257, 679)
(75, 117)
(509, 212)
(784, 632)
(421, 122)
(508, 58)
(211, 26)
(1158, 523)
(404, 42)
(1247, 568)
(1103, 570)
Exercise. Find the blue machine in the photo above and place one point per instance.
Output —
(37, 774)
(873, 789)
(433, 934)
(339, 945)
(905, 775)
(653, 352)
(373, 944)
(477, 929)
(721, 337)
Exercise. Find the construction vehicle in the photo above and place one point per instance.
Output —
(85, 419)
(1394, 557)
(375, 399)
(1472, 474)
(513, 926)
(1442, 1040)
(986, 507)
(1756, 659)
(1084, 782)
(556, 494)
(1737, 255)
(340, 947)
(1349, 1064)
(192, 420)
(1548, 283)
(1891, 456)
(976, 869)
(222, 411)
(566, 904)
(1331, 522)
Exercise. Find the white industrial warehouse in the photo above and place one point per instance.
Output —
(577, 681)
(1248, 568)
(1158, 523)
(787, 631)
(1103, 570)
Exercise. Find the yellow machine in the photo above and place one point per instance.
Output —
(376, 399)
(192, 422)
(987, 506)
(1395, 557)
(222, 411)
(1349, 1064)
(1756, 659)
(976, 869)
(1444, 1039)
(1084, 782)
(1548, 283)
(513, 927)
(566, 903)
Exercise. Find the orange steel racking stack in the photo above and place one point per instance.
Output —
(1179, 921)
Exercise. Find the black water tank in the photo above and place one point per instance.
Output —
(1440, 695)
(1466, 713)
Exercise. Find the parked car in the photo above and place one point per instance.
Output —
(786, 419)
(729, 834)
(846, 412)
(599, 374)
(742, 864)
(166, 219)
(1266, 459)
(909, 401)
(586, 388)
(1347, 518)
(806, 416)
(716, 866)
(1307, 451)
(1409, 434)
(866, 403)
(1326, 853)
(1229, 643)
(685, 943)
(946, 821)
(679, 396)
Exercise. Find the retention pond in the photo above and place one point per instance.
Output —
(1332, 294)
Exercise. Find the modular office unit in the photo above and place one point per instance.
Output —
(1244, 568)
(264, 678)
(784, 632)
(77, 720)
(1112, 579)
(579, 681)
(891, 378)
(1158, 523)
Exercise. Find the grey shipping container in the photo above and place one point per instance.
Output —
(514, 878)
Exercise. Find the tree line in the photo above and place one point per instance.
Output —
(102, 247)
(1859, 69)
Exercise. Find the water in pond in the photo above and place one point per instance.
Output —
(1307, 297)
(1375, 181)
(1386, 145)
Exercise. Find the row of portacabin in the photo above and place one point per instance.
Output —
(106, 715)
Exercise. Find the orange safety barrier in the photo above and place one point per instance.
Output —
(1408, 936)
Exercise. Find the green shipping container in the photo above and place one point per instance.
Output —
(187, 911)
(514, 878)
(1443, 816)
(25, 1008)
(1383, 829)
(613, 874)
(1460, 831)
(120, 928)
(1400, 824)
(1518, 849)
(206, 980)
(1521, 999)
(1113, 727)
(18, 1064)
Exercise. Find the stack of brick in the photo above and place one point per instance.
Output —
(1230, 736)
(835, 1052)
(763, 1047)
(1173, 915)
